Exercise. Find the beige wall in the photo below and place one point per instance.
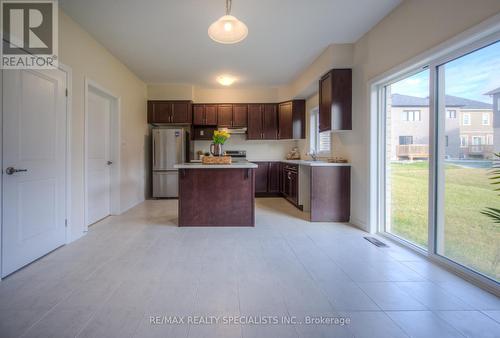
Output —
(172, 91)
(87, 58)
(169, 91)
(257, 150)
(334, 56)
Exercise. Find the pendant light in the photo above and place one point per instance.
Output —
(228, 29)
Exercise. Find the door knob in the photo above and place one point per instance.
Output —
(109, 162)
(12, 170)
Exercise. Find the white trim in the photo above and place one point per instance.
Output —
(69, 81)
(1, 168)
(115, 145)
(474, 38)
(468, 119)
(488, 119)
(448, 265)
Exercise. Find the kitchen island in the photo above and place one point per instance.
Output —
(216, 194)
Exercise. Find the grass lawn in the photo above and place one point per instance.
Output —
(470, 238)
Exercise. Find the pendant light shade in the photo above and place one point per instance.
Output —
(228, 29)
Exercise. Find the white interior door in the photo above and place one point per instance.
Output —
(98, 157)
(34, 165)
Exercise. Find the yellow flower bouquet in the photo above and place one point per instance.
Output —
(220, 136)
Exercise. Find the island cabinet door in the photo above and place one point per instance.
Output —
(216, 197)
(254, 131)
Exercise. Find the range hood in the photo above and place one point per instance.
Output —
(234, 130)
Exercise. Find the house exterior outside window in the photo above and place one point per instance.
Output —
(411, 115)
(466, 119)
(486, 119)
(495, 96)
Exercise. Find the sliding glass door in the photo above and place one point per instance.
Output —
(407, 158)
(439, 159)
(469, 127)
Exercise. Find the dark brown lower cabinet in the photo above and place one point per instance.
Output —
(261, 177)
(330, 194)
(274, 177)
(267, 179)
(216, 197)
(291, 183)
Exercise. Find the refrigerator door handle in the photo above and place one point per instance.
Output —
(154, 151)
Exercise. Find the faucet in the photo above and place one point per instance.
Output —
(314, 155)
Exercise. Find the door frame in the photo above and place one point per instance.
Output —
(115, 145)
(474, 38)
(67, 181)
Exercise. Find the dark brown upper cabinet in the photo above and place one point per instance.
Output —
(291, 120)
(240, 115)
(270, 122)
(335, 100)
(205, 114)
(225, 115)
(254, 131)
(262, 122)
(169, 112)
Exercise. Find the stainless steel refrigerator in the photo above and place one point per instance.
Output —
(170, 146)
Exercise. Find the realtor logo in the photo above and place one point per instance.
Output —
(29, 30)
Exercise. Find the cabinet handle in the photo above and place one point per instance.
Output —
(289, 175)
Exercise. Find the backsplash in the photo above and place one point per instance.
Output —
(266, 150)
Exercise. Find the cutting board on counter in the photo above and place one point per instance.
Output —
(216, 160)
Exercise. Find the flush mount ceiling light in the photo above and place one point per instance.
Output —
(226, 80)
(228, 29)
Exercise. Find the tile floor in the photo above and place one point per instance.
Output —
(137, 265)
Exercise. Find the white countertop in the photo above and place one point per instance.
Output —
(238, 165)
(316, 163)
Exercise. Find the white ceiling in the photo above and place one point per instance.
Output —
(166, 40)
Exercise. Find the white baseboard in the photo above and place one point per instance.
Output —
(134, 204)
(359, 224)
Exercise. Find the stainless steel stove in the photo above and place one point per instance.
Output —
(237, 155)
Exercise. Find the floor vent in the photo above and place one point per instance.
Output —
(376, 242)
